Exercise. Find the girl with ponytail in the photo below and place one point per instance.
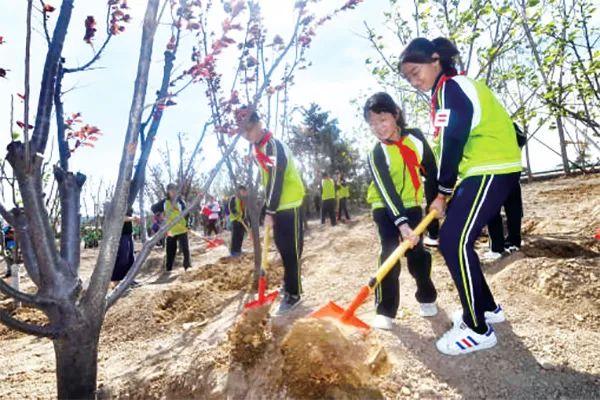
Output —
(476, 146)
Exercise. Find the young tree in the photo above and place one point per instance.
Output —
(75, 315)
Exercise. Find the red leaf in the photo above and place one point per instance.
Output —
(90, 29)
(21, 125)
(48, 8)
(21, 96)
(1, 39)
(3, 73)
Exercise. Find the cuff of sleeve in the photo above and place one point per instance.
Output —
(400, 220)
(271, 212)
(445, 190)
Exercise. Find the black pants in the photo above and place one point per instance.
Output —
(476, 200)
(212, 227)
(328, 211)
(387, 294)
(237, 237)
(433, 230)
(343, 209)
(288, 232)
(513, 208)
(172, 250)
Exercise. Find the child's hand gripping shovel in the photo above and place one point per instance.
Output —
(263, 297)
(346, 316)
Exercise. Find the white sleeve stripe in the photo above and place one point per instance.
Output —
(469, 90)
(442, 131)
(274, 169)
(386, 197)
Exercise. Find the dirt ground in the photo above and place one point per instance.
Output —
(181, 336)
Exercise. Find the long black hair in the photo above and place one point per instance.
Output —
(421, 50)
(382, 102)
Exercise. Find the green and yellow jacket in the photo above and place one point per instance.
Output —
(476, 134)
(281, 179)
(392, 187)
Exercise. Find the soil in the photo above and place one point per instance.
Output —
(186, 335)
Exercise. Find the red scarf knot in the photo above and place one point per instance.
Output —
(263, 160)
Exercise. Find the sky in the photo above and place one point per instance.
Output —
(337, 76)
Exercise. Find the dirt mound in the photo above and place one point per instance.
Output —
(24, 314)
(555, 248)
(235, 275)
(159, 312)
(320, 359)
(572, 285)
(250, 336)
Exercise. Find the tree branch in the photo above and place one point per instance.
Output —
(47, 331)
(94, 298)
(41, 129)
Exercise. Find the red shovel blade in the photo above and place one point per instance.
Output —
(263, 298)
(268, 299)
(211, 244)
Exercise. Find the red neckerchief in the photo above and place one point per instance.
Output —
(263, 160)
(412, 162)
(434, 96)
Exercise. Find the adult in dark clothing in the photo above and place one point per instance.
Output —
(513, 209)
(317, 203)
(125, 257)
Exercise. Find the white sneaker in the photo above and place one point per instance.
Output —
(491, 256)
(491, 317)
(429, 242)
(512, 249)
(428, 309)
(382, 322)
(462, 340)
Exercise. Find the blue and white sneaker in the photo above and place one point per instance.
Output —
(461, 339)
(491, 317)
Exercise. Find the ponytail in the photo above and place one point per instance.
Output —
(421, 50)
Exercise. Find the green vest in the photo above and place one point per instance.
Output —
(492, 144)
(172, 212)
(343, 192)
(238, 215)
(327, 189)
(292, 191)
(410, 196)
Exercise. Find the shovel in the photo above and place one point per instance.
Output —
(346, 316)
(263, 297)
(210, 243)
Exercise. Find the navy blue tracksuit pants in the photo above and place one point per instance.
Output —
(476, 200)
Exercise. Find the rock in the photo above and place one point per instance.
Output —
(578, 317)
(546, 364)
(405, 391)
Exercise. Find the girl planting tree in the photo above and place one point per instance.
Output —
(477, 143)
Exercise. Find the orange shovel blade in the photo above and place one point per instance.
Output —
(334, 312)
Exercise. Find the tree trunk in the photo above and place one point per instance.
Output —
(254, 213)
(563, 145)
(527, 159)
(77, 363)
(143, 233)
